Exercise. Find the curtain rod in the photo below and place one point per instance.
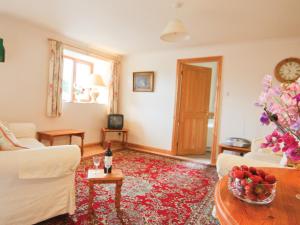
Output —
(91, 52)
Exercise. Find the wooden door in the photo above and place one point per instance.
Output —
(194, 110)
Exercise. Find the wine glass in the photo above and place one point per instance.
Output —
(96, 161)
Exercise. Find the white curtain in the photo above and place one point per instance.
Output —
(54, 98)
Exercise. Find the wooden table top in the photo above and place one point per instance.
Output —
(61, 132)
(284, 210)
(99, 175)
(240, 149)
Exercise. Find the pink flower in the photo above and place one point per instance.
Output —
(297, 97)
(290, 143)
(283, 102)
(296, 126)
(273, 141)
(264, 119)
(294, 155)
(267, 82)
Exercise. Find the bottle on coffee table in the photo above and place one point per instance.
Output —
(108, 159)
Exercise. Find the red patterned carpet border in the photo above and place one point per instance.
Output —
(156, 190)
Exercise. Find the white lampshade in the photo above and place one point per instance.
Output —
(174, 31)
(96, 80)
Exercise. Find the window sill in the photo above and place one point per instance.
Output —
(95, 103)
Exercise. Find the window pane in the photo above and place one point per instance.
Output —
(67, 80)
(83, 71)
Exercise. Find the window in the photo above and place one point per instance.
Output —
(77, 71)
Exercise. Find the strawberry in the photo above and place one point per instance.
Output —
(259, 189)
(267, 194)
(270, 179)
(248, 188)
(261, 196)
(251, 196)
(244, 167)
(268, 187)
(261, 173)
(256, 179)
(235, 168)
(244, 182)
(248, 174)
(238, 174)
(252, 170)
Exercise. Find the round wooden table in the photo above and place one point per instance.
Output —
(284, 210)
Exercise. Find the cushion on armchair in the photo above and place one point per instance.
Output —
(23, 130)
(8, 141)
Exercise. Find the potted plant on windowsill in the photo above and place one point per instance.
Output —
(81, 94)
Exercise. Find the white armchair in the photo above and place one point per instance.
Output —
(36, 183)
(258, 157)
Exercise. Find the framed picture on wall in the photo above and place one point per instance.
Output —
(143, 81)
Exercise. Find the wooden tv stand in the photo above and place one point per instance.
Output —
(124, 133)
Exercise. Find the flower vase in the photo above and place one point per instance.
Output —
(284, 160)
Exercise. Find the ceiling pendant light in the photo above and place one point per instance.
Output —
(175, 30)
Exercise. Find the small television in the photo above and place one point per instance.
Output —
(115, 121)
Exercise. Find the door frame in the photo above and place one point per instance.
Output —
(180, 62)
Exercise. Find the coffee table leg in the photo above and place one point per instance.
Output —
(51, 141)
(82, 141)
(90, 206)
(118, 195)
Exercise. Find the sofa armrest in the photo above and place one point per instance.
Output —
(23, 130)
(39, 163)
(225, 162)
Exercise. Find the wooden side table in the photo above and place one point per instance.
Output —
(285, 208)
(241, 150)
(50, 135)
(124, 133)
(99, 177)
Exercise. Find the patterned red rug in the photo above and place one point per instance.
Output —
(156, 190)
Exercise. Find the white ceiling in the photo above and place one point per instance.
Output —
(128, 26)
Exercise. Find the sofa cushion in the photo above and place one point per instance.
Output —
(8, 141)
(264, 156)
(30, 143)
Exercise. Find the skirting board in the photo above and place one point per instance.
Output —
(91, 144)
(147, 149)
(161, 152)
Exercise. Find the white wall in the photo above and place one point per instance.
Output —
(24, 78)
(149, 116)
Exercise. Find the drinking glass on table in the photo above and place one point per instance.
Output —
(96, 160)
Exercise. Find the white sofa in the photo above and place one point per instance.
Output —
(258, 157)
(36, 183)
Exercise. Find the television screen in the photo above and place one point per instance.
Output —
(115, 121)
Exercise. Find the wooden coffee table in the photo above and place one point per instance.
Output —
(99, 177)
(285, 209)
(50, 135)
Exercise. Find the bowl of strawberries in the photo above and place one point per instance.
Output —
(252, 185)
